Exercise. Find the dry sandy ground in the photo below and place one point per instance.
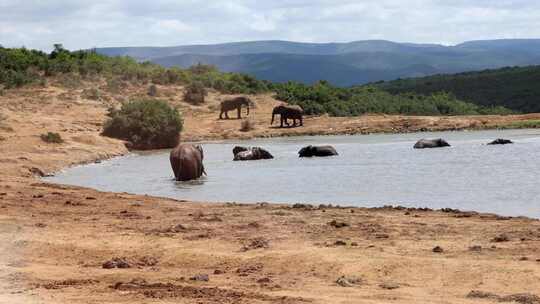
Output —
(56, 239)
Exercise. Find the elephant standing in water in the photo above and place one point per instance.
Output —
(187, 162)
(431, 143)
(234, 104)
(288, 112)
(311, 151)
(254, 153)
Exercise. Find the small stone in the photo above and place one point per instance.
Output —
(219, 271)
(200, 277)
(345, 281)
(500, 238)
(109, 264)
(389, 285)
(264, 280)
(475, 248)
(438, 249)
(340, 243)
(337, 224)
(524, 259)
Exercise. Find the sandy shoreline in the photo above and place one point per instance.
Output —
(56, 239)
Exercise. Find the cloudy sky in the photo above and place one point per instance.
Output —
(95, 23)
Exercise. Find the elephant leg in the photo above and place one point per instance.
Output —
(301, 121)
(221, 115)
(227, 115)
(239, 109)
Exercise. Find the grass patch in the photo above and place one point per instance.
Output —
(52, 138)
(524, 124)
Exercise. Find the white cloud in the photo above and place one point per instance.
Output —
(85, 23)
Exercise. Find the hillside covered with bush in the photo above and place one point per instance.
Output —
(516, 88)
(20, 66)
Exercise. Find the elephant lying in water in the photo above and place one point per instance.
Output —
(500, 141)
(253, 153)
(187, 162)
(311, 151)
(431, 143)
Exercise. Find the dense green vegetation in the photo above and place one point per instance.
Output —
(20, 66)
(516, 88)
(146, 124)
(324, 98)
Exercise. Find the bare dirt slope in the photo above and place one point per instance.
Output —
(56, 240)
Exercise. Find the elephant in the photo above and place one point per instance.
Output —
(239, 149)
(254, 153)
(288, 112)
(431, 143)
(311, 151)
(500, 141)
(234, 103)
(187, 162)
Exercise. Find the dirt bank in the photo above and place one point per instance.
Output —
(74, 245)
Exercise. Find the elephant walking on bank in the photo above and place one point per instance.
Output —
(234, 104)
(288, 112)
(187, 162)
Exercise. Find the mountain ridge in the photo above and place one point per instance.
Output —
(342, 64)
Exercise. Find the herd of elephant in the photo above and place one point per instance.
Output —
(286, 112)
(187, 159)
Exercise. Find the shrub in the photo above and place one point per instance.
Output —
(145, 124)
(247, 125)
(195, 93)
(152, 90)
(52, 137)
(92, 94)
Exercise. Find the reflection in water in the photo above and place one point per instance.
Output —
(371, 170)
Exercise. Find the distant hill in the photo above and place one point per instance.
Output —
(342, 64)
(516, 88)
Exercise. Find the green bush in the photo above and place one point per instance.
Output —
(52, 137)
(145, 124)
(323, 98)
(195, 93)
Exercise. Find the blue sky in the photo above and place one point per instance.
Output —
(86, 24)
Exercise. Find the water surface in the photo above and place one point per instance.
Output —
(371, 170)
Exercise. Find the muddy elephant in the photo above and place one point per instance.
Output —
(187, 162)
(239, 149)
(431, 143)
(234, 104)
(501, 141)
(321, 151)
(254, 153)
(288, 112)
